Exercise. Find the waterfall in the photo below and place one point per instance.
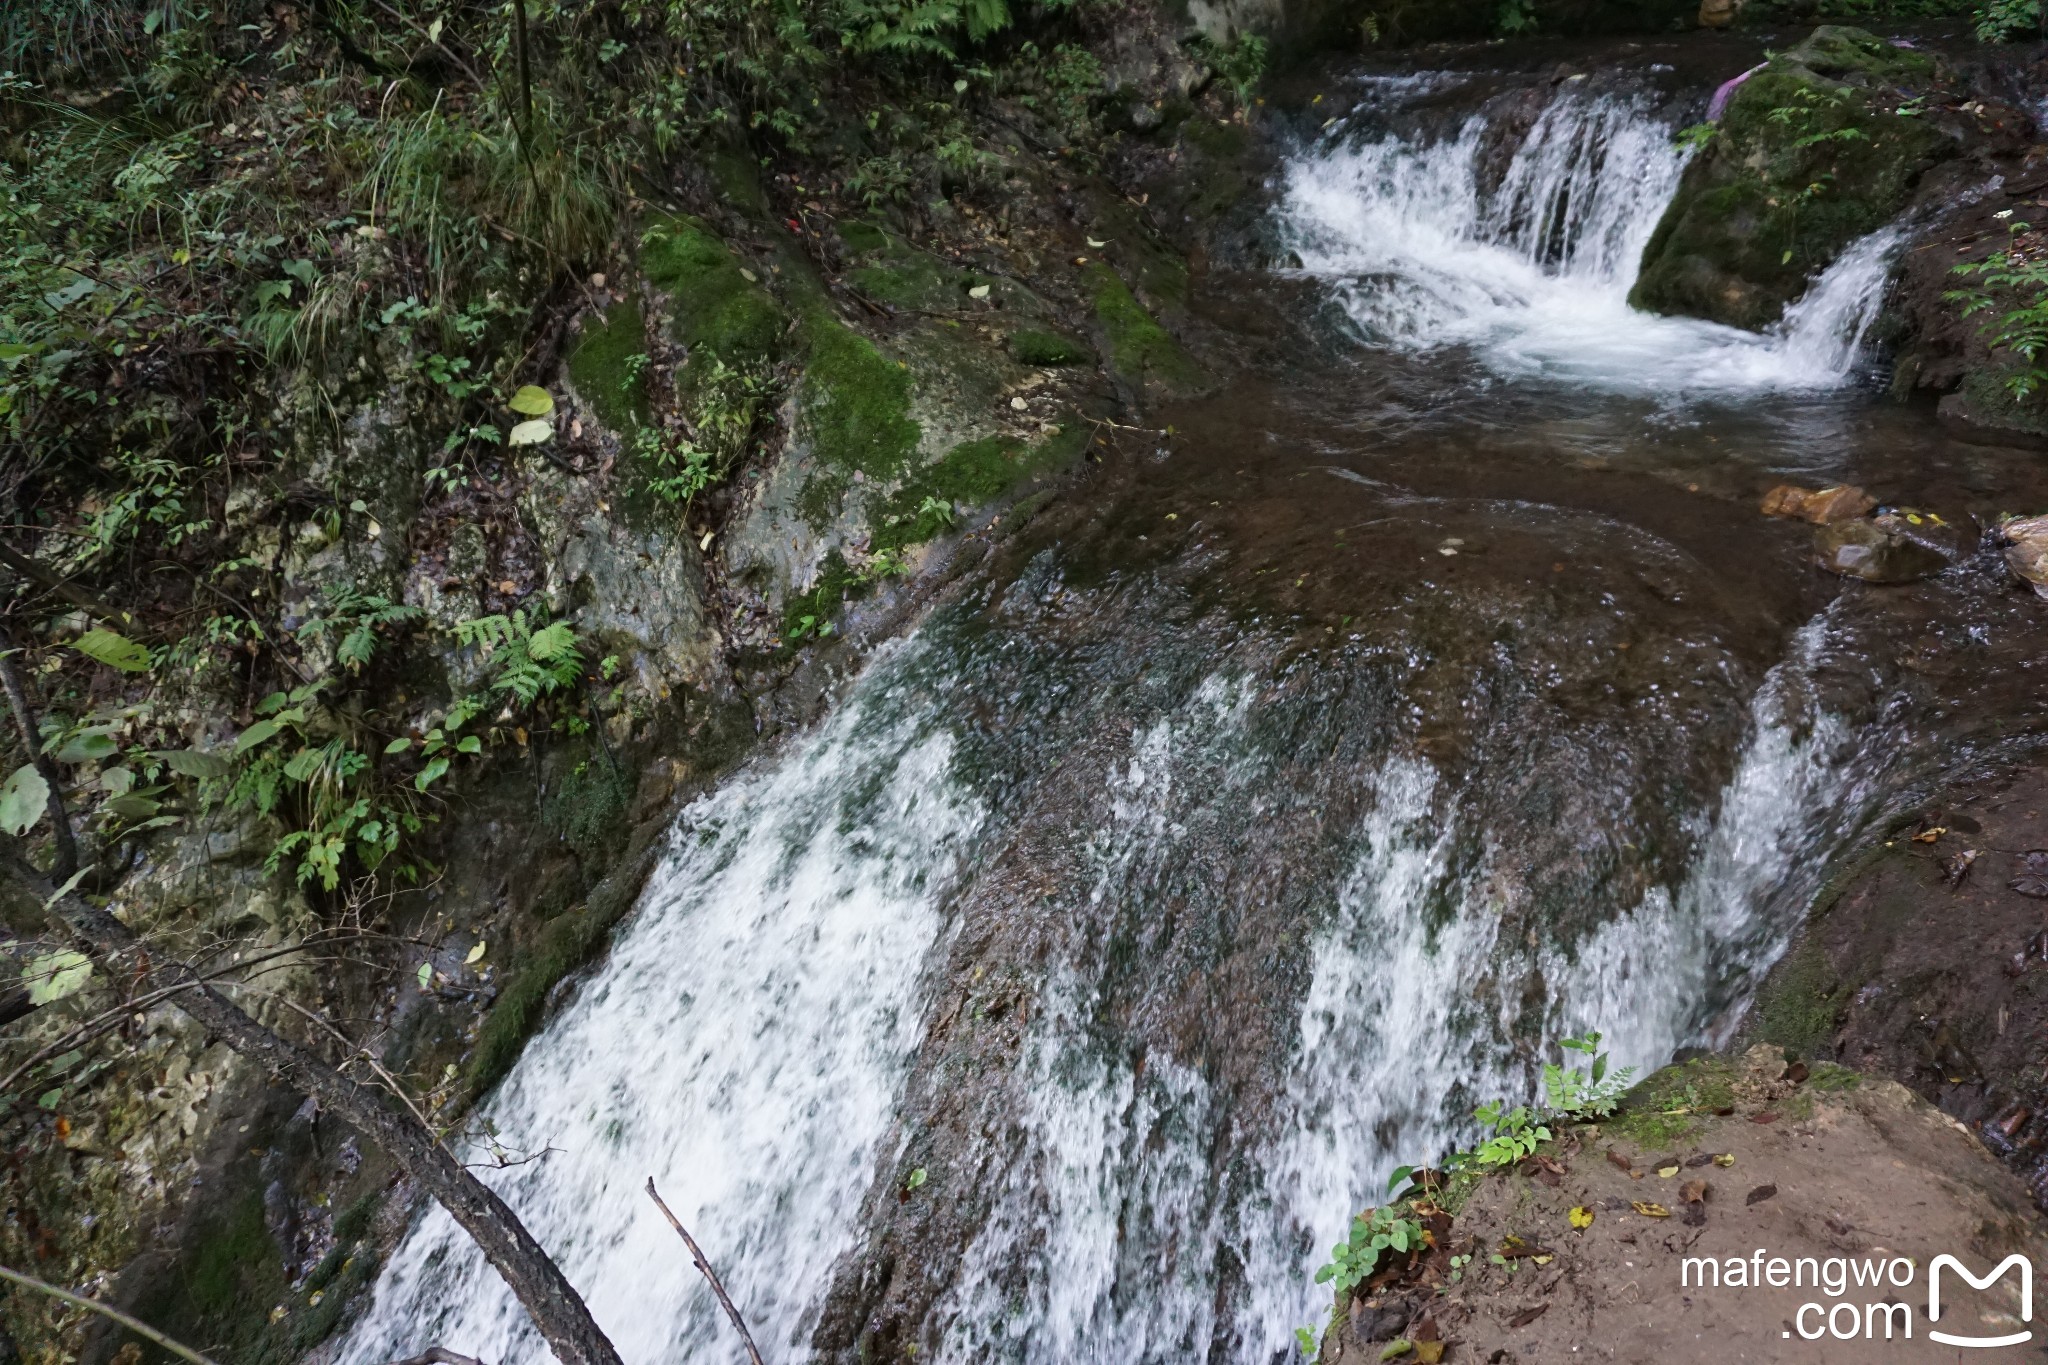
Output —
(742, 1046)
(1533, 274)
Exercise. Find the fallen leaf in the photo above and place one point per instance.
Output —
(1699, 1159)
(1097, 245)
(1766, 1117)
(1693, 1191)
(530, 433)
(1395, 1349)
(751, 277)
(1695, 1216)
(1761, 1193)
(1527, 1316)
(1650, 1210)
(1666, 1172)
(1928, 836)
(980, 291)
(1581, 1217)
(1956, 866)
(1619, 1162)
(1429, 1352)
(476, 954)
(1724, 1159)
(2034, 880)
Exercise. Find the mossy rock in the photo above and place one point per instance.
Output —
(854, 403)
(1143, 354)
(601, 366)
(1037, 346)
(1801, 1002)
(1811, 155)
(1666, 1106)
(717, 308)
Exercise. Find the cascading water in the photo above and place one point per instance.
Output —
(1534, 274)
(1156, 941)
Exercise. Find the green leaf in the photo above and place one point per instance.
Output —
(426, 975)
(917, 1178)
(135, 807)
(53, 976)
(23, 799)
(256, 734)
(115, 651)
(530, 433)
(470, 745)
(430, 774)
(531, 401)
(398, 746)
(191, 762)
(87, 747)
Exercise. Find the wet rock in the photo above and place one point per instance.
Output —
(1719, 13)
(2026, 550)
(1868, 550)
(1810, 155)
(1840, 502)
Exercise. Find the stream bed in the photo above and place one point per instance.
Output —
(1429, 692)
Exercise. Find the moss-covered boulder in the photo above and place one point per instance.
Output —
(1824, 145)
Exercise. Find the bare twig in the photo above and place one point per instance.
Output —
(141, 1329)
(57, 583)
(697, 1255)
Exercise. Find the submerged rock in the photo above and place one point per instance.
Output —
(1822, 146)
(1820, 506)
(1875, 550)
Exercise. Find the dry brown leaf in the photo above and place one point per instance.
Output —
(1693, 1191)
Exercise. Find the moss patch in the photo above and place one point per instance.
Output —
(219, 1296)
(586, 808)
(1667, 1105)
(1810, 156)
(855, 408)
(601, 366)
(1799, 1005)
(1032, 346)
(913, 280)
(717, 307)
(1141, 351)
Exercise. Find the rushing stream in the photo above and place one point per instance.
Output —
(1216, 848)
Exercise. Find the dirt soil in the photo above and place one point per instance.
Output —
(1821, 1164)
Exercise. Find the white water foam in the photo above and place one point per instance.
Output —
(1535, 276)
(743, 1046)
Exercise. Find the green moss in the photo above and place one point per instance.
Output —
(972, 473)
(601, 367)
(1664, 1108)
(856, 402)
(1810, 156)
(810, 613)
(220, 1293)
(913, 280)
(717, 307)
(862, 238)
(586, 808)
(1031, 346)
(1140, 350)
(1799, 1005)
(738, 179)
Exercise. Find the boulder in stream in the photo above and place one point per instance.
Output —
(1893, 547)
(1823, 145)
(2026, 550)
(1839, 502)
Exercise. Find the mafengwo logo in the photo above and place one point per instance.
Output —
(1870, 1299)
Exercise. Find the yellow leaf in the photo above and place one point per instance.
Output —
(1429, 1352)
(1725, 1159)
(1581, 1217)
(476, 953)
(532, 401)
(1668, 1171)
(1650, 1210)
(1543, 1260)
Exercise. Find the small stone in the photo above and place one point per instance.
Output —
(2026, 551)
(1867, 550)
(1018, 404)
(597, 280)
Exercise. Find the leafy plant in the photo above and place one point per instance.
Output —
(1374, 1234)
(1515, 1133)
(2000, 21)
(352, 619)
(1515, 17)
(2016, 289)
(1593, 1093)
(534, 659)
(1696, 136)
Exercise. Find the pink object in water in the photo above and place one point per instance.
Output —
(1719, 104)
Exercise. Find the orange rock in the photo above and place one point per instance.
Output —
(1820, 506)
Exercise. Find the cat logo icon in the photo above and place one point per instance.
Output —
(2026, 1269)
